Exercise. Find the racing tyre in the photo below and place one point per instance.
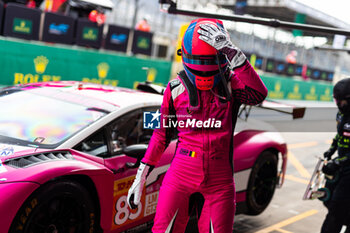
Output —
(58, 206)
(262, 183)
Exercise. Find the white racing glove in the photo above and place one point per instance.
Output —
(220, 40)
(135, 192)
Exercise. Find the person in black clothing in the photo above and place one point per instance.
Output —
(339, 167)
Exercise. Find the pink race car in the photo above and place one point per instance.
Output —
(69, 152)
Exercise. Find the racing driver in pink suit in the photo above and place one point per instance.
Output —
(203, 102)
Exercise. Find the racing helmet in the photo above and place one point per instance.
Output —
(341, 92)
(203, 65)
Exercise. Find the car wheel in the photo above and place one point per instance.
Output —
(262, 183)
(58, 206)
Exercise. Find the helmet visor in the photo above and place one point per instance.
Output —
(203, 59)
(203, 65)
(201, 73)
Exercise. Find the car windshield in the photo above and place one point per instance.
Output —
(28, 115)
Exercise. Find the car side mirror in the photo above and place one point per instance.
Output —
(136, 151)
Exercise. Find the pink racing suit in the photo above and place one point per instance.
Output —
(203, 159)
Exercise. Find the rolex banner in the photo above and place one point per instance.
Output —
(88, 34)
(142, 43)
(21, 22)
(26, 63)
(286, 88)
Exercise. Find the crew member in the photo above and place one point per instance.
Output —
(339, 167)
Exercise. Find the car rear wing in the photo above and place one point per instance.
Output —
(296, 111)
(150, 87)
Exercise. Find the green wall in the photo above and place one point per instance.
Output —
(25, 62)
(287, 88)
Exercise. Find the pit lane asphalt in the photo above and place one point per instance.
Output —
(307, 139)
(287, 211)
